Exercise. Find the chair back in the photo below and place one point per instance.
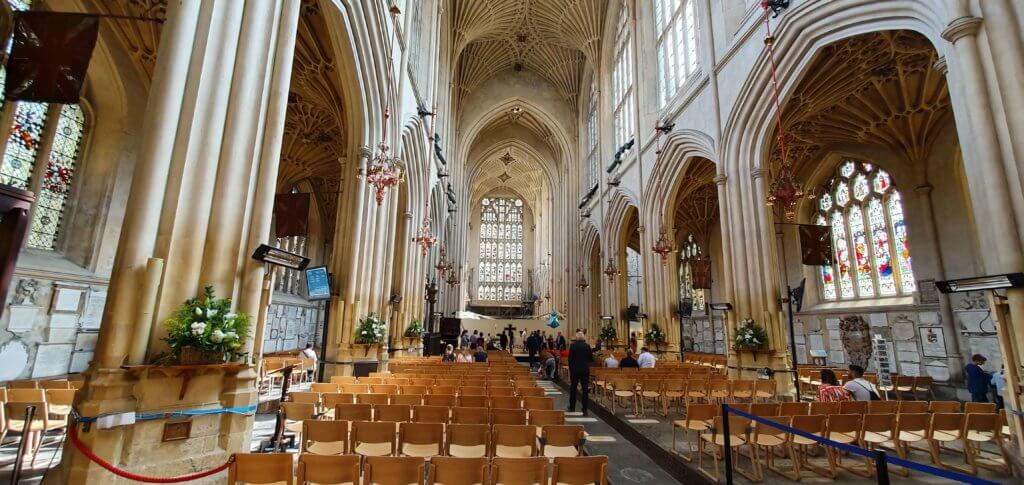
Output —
(322, 387)
(476, 415)
(393, 413)
(979, 407)
(794, 409)
(506, 402)
(298, 411)
(913, 407)
(513, 440)
(328, 469)
(393, 470)
(539, 403)
(332, 399)
(457, 471)
(473, 401)
(388, 389)
(421, 439)
(825, 408)
(324, 437)
(447, 400)
(306, 397)
(508, 416)
(764, 409)
(375, 399)
(258, 468)
(372, 438)
(519, 471)
(883, 407)
(22, 384)
(468, 440)
(343, 379)
(25, 394)
(546, 417)
(407, 399)
(945, 407)
(582, 470)
(55, 384)
(353, 412)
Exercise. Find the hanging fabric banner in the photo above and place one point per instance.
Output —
(291, 215)
(700, 273)
(49, 56)
(815, 245)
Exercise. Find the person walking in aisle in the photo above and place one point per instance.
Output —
(532, 347)
(580, 357)
(978, 379)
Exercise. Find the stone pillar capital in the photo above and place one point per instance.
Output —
(758, 173)
(941, 65)
(365, 153)
(961, 27)
(720, 179)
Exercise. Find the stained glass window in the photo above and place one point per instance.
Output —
(501, 249)
(869, 223)
(690, 252)
(23, 144)
(56, 186)
(622, 80)
(676, 24)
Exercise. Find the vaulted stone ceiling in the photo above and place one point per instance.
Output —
(513, 169)
(140, 39)
(554, 38)
(879, 89)
(696, 203)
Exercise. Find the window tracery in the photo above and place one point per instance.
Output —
(622, 80)
(676, 26)
(689, 253)
(501, 249)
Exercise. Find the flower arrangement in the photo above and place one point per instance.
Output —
(208, 326)
(608, 333)
(414, 330)
(655, 334)
(750, 336)
(372, 330)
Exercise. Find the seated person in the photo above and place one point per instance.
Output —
(629, 361)
(479, 355)
(610, 362)
(830, 390)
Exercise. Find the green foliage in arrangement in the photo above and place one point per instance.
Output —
(371, 330)
(208, 325)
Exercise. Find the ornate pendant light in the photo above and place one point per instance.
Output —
(784, 192)
(424, 239)
(662, 247)
(453, 279)
(582, 284)
(442, 266)
(385, 170)
(611, 271)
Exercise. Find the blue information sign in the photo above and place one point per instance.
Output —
(318, 284)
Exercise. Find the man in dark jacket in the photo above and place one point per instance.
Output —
(532, 347)
(978, 380)
(503, 341)
(580, 357)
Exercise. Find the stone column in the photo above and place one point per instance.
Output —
(209, 118)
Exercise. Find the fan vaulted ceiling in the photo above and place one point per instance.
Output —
(554, 38)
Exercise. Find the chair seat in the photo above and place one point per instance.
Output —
(624, 393)
(843, 437)
(467, 451)
(420, 450)
(373, 449)
(503, 451)
(763, 394)
(769, 440)
(674, 394)
(744, 394)
(877, 438)
(650, 394)
(560, 451)
(946, 435)
(800, 440)
(294, 426)
(719, 439)
(980, 435)
(910, 436)
(60, 409)
(326, 448)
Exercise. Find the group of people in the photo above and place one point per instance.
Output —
(467, 355)
(980, 382)
(646, 360)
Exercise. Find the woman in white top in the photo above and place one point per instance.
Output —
(610, 362)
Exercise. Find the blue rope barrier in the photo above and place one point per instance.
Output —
(246, 410)
(939, 472)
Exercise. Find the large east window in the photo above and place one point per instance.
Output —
(42, 149)
(690, 256)
(622, 80)
(501, 249)
(869, 235)
(676, 24)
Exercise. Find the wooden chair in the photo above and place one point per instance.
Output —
(824, 408)
(508, 416)
(441, 390)
(16, 418)
(22, 384)
(853, 407)
(910, 428)
(369, 438)
(294, 413)
(519, 471)
(913, 407)
(457, 471)
(355, 388)
(446, 400)
(473, 401)
(55, 384)
(764, 409)
(696, 391)
(794, 408)
(343, 379)
(764, 389)
(392, 413)
(472, 391)
(538, 403)
(463, 415)
(370, 380)
(501, 391)
(546, 417)
(306, 397)
(770, 439)
(922, 386)
(255, 468)
(944, 407)
(353, 412)
(324, 437)
(389, 389)
(982, 428)
(321, 387)
(814, 424)
(506, 402)
(337, 469)
(699, 418)
(718, 390)
(673, 391)
(902, 385)
(844, 428)
(883, 407)
(59, 401)
(375, 399)
(583, 470)
(407, 399)
(513, 441)
(330, 400)
(430, 414)
(979, 407)
(622, 388)
(530, 392)
(393, 470)
(414, 389)
(468, 440)
(420, 439)
(742, 389)
(877, 431)
(945, 428)
(561, 441)
(739, 435)
(649, 390)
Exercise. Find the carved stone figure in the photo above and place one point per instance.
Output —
(855, 333)
(26, 292)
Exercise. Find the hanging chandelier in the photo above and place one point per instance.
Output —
(453, 280)
(784, 192)
(442, 266)
(662, 247)
(424, 239)
(611, 271)
(384, 169)
(582, 284)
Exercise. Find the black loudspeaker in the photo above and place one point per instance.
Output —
(632, 313)
(432, 344)
(450, 327)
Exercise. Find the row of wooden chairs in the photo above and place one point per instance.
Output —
(298, 411)
(379, 438)
(847, 424)
(485, 380)
(52, 407)
(523, 389)
(682, 392)
(329, 400)
(709, 360)
(45, 384)
(278, 467)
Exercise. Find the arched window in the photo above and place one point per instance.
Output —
(501, 249)
(676, 24)
(869, 235)
(591, 167)
(688, 256)
(622, 80)
(290, 280)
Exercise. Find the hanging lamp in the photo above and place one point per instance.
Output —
(442, 265)
(384, 169)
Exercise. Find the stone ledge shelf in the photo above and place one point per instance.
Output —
(185, 372)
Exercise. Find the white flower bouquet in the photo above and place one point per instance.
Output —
(371, 330)
(205, 330)
(750, 336)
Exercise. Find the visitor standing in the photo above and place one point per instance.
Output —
(309, 353)
(999, 382)
(978, 379)
(560, 342)
(503, 341)
(580, 357)
(464, 340)
(646, 359)
(532, 347)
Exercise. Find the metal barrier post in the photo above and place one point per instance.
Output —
(727, 449)
(881, 467)
(30, 414)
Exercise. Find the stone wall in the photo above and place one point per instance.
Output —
(292, 322)
(51, 326)
(702, 334)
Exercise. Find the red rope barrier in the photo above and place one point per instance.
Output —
(73, 436)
